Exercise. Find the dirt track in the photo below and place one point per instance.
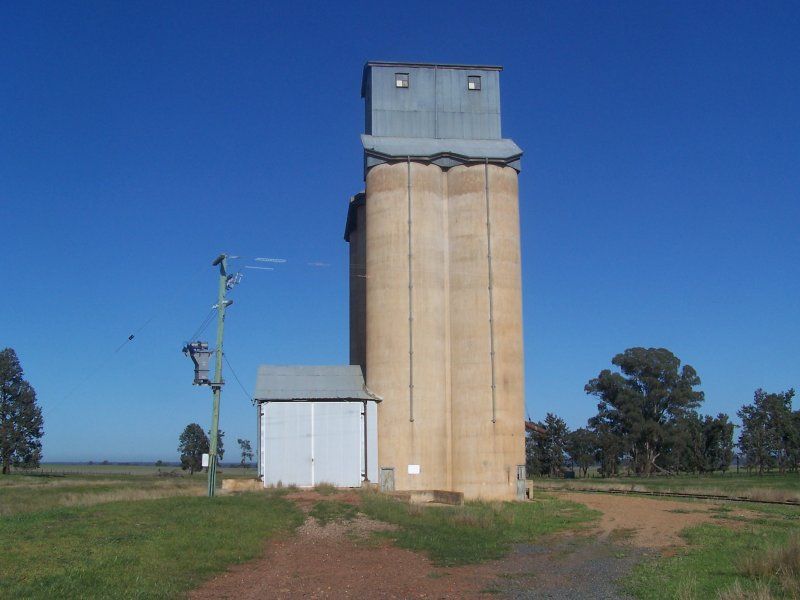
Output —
(344, 560)
(340, 561)
(646, 522)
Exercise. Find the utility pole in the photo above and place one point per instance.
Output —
(216, 385)
(200, 354)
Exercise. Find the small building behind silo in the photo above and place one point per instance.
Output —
(316, 424)
(435, 280)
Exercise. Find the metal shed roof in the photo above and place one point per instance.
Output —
(303, 382)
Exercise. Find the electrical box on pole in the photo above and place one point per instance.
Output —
(200, 355)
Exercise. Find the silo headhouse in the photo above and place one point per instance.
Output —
(435, 280)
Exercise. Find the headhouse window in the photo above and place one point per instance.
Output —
(401, 80)
(474, 82)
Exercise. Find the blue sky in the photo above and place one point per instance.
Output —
(659, 193)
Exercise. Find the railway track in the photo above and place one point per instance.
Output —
(674, 495)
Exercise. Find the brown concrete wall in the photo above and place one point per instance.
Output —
(450, 432)
(430, 432)
(387, 313)
(486, 452)
(508, 325)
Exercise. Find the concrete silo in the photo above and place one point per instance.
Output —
(435, 283)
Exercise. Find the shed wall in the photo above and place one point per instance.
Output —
(308, 443)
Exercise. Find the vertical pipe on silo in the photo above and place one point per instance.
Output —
(509, 434)
(491, 286)
(410, 305)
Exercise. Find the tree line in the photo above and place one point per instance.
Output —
(648, 421)
(193, 443)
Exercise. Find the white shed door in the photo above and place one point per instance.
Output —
(337, 443)
(307, 443)
(287, 443)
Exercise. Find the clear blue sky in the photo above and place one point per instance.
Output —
(659, 193)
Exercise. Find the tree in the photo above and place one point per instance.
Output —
(639, 404)
(193, 443)
(21, 419)
(533, 452)
(247, 451)
(553, 445)
(581, 445)
(610, 447)
(718, 438)
(769, 436)
(794, 455)
(220, 443)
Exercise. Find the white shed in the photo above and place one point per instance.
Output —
(317, 424)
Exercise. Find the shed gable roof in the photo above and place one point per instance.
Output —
(304, 382)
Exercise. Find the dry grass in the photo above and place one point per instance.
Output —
(32, 494)
(325, 489)
(87, 499)
(760, 591)
(778, 564)
(687, 589)
(764, 494)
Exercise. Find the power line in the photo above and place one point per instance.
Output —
(205, 323)
(103, 362)
(236, 377)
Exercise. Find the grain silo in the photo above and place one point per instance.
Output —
(435, 282)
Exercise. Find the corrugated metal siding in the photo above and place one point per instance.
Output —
(436, 104)
(337, 443)
(307, 443)
(286, 438)
(392, 146)
(305, 382)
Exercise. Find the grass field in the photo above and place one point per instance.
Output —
(109, 535)
(739, 558)
(122, 469)
(144, 536)
(52, 487)
(771, 486)
(136, 549)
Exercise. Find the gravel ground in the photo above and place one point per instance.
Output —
(572, 569)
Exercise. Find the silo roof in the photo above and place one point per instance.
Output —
(430, 148)
(305, 382)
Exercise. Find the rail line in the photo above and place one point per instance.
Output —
(674, 495)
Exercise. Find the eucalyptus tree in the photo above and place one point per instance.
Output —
(769, 435)
(640, 403)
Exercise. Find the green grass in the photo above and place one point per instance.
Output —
(328, 511)
(474, 532)
(25, 494)
(770, 486)
(714, 559)
(136, 549)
